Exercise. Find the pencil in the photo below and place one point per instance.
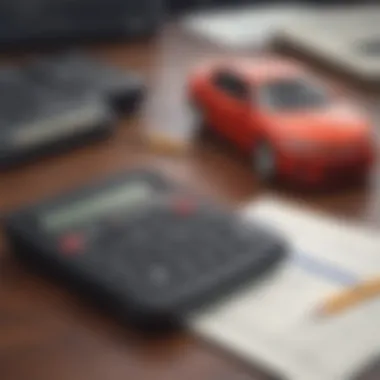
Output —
(351, 297)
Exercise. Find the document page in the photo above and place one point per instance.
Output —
(274, 323)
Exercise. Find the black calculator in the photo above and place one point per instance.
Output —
(143, 247)
(123, 90)
(36, 120)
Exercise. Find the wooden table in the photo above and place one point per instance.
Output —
(46, 333)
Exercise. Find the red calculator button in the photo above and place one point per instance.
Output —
(184, 206)
(72, 244)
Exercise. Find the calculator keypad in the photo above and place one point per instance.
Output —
(168, 249)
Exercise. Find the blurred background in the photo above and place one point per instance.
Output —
(160, 41)
(26, 21)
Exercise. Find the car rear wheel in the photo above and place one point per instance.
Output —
(264, 162)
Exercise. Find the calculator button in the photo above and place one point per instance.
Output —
(183, 206)
(159, 275)
(72, 244)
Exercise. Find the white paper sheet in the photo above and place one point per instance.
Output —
(335, 35)
(274, 323)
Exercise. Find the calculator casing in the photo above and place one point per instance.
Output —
(38, 120)
(123, 90)
(32, 246)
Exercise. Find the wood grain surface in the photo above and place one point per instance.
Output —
(48, 334)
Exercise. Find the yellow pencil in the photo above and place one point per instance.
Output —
(350, 297)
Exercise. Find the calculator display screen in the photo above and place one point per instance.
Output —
(119, 199)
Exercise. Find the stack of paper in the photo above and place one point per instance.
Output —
(346, 38)
(245, 27)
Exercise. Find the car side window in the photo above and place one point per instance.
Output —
(231, 84)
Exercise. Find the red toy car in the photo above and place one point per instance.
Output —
(289, 122)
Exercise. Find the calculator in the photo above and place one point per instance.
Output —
(143, 247)
(36, 120)
(124, 90)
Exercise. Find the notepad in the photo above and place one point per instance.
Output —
(272, 324)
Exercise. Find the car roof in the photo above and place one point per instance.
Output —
(262, 70)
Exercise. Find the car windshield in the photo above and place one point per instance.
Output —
(293, 94)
